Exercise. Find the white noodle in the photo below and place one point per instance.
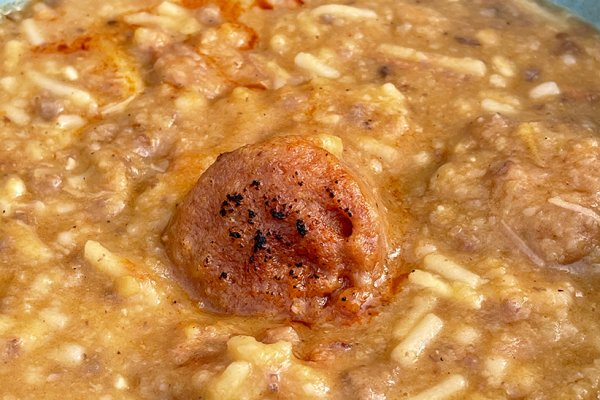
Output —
(70, 73)
(557, 201)
(172, 10)
(497, 107)
(569, 59)
(116, 107)
(521, 245)
(339, 10)
(392, 91)
(61, 89)
(465, 65)
(8, 83)
(16, 114)
(545, 89)
(377, 148)
(451, 270)
(498, 81)
(409, 350)
(104, 260)
(70, 121)
(430, 281)
(443, 390)
(421, 306)
(187, 24)
(504, 66)
(313, 64)
(494, 369)
(32, 32)
(171, 17)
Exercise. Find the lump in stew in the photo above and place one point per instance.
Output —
(281, 227)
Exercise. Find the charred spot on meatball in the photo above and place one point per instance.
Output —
(249, 240)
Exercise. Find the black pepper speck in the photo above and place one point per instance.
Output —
(277, 214)
(301, 228)
(235, 198)
(260, 241)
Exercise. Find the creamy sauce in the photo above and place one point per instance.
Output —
(475, 123)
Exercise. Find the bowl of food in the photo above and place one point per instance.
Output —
(287, 199)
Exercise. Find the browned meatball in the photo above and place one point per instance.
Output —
(280, 228)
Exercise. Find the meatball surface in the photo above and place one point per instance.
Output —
(280, 228)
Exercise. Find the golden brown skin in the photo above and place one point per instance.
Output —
(280, 228)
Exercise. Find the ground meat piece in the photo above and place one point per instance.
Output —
(219, 63)
(514, 309)
(543, 163)
(46, 180)
(10, 349)
(48, 107)
(530, 185)
(210, 15)
(179, 65)
(372, 382)
(531, 74)
(279, 333)
(228, 47)
(566, 45)
(280, 228)
(554, 233)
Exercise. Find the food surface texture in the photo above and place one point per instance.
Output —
(288, 199)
